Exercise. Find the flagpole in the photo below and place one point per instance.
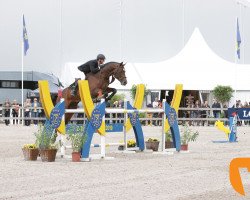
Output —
(183, 23)
(22, 50)
(235, 70)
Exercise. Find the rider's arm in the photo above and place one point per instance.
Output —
(94, 68)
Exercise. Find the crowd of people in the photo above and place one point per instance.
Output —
(33, 112)
(32, 109)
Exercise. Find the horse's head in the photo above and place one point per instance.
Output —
(119, 73)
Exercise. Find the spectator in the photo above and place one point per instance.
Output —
(27, 106)
(41, 112)
(196, 113)
(35, 106)
(7, 111)
(225, 113)
(205, 113)
(155, 115)
(149, 115)
(245, 122)
(216, 113)
(15, 111)
(191, 115)
(160, 114)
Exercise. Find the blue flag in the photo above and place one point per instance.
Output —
(238, 40)
(25, 38)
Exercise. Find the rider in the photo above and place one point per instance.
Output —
(92, 65)
(88, 67)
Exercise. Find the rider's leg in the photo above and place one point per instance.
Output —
(74, 88)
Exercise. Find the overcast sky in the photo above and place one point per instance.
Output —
(128, 30)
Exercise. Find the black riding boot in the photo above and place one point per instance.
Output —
(73, 91)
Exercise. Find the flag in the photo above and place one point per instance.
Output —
(25, 38)
(238, 40)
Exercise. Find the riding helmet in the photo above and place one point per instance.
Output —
(100, 57)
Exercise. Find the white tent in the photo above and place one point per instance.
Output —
(196, 66)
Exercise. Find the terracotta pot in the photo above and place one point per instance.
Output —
(48, 155)
(153, 145)
(169, 144)
(76, 156)
(184, 147)
(30, 154)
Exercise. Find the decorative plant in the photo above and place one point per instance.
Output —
(77, 137)
(117, 97)
(188, 135)
(131, 143)
(30, 146)
(45, 138)
(133, 92)
(223, 93)
(168, 136)
(153, 140)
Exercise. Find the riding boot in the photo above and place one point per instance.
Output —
(73, 91)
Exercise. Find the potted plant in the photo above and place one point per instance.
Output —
(130, 144)
(77, 138)
(45, 140)
(152, 144)
(30, 152)
(188, 135)
(168, 140)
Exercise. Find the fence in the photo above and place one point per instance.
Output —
(193, 116)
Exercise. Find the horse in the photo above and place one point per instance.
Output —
(98, 84)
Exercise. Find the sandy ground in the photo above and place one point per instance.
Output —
(200, 174)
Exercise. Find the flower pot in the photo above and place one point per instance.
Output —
(30, 154)
(48, 155)
(169, 144)
(76, 156)
(184, 147)
(153, 145)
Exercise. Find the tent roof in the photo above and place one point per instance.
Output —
(196, 66)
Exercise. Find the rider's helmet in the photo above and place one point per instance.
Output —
(100, 57)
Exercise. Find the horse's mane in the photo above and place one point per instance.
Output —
(110, 63)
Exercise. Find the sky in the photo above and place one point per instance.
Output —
(138, 31)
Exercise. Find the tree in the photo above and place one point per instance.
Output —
(222, 93)
(133, 92)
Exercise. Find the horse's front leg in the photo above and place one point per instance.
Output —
(109, 90)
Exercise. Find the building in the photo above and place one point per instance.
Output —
(11, 84)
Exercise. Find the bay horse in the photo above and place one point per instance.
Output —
(98, 83)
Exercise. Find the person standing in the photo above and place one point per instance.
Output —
(196, 113)
(15, 111)
(27, 106)
(205, 113)
(7, 111)
(35, 106)
(155, 115)
(216, 113)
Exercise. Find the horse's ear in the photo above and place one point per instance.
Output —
(121, 64)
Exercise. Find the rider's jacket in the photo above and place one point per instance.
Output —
(90, 66)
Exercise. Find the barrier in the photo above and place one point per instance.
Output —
(230, 132)
(220, 126)
(47, 104)
(95, 116)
